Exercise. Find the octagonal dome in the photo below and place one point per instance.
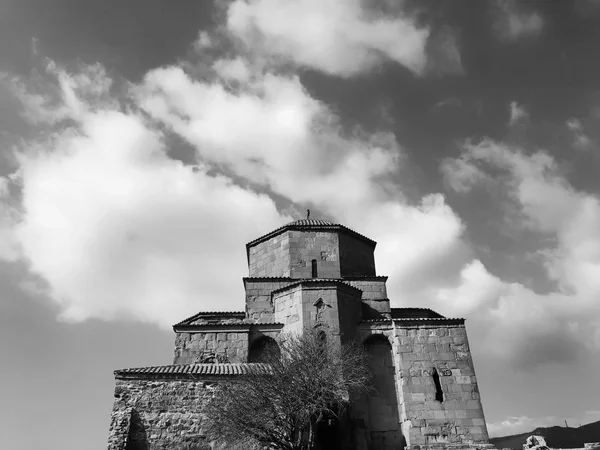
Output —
(310, 248)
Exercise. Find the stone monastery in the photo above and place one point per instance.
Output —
(313, 274)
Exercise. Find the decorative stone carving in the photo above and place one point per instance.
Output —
(211, 358)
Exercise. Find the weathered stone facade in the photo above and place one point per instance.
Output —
(313, 275)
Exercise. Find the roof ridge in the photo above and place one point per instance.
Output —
(416, 319)
(309, 223)
(196, 369)
(314, 280)
(205, 313)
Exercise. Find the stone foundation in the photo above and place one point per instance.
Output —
(158, 415)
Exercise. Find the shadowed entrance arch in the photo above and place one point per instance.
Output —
(263, 348)
(383, 423)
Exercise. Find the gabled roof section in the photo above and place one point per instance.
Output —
(310, 224)
(206, 317)
(194, 370)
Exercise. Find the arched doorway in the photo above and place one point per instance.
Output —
(383, 422)
(262, 349)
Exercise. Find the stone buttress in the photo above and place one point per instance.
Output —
(312, 274)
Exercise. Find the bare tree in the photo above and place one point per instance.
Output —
(281, 403)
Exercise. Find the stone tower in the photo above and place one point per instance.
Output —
(312, 274)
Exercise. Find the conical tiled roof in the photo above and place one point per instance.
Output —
(309, 223)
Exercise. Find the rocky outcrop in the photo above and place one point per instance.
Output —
(535, 442)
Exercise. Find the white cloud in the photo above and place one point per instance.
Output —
(444, 56)
(62, 96)
(233, 70)
(271, 132)
(9, 246)
(512, 22)
(558, 325)
(115, 226)
(104, 205)
(292, 144)
(581, 141)
(338, 38)
(524, 424)
(117, 229)
(461, 175)
(518, 114)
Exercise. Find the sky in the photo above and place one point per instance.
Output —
(144, 142)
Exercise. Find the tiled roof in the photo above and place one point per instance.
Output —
(345, 278)
(220, 314)
(227, 327)
(309, 224)
(191, 370)
(411, 313)
(420, 320)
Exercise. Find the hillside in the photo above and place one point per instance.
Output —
(557, 437)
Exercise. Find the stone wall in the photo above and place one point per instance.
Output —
(290, 254)
(376, 305)
(158, 415)
(372, 288)
(356, 256)
(288, 309)
(270, 258)
(321, 246)
(376, 416)
(349, 312)
(333, 307)
(259, 306)
(223, 346)
(458, 419)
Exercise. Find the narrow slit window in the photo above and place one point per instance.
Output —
(314, 268)
(322, 341)
(439, 395)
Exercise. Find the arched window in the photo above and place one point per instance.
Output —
(263, 349)
(314, 268)
(322, 341)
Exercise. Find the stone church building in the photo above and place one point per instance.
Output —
(313, 274)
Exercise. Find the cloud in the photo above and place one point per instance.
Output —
(293, 145)
(284, 139)
(518, 114)
(63, 96)
(559, 325)
(581, 141)
(114, 226)
(117, 229)
(460, 174)
(511, 22)
(444, 56)
(524, 424)
(9, 246)
(338, 38)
